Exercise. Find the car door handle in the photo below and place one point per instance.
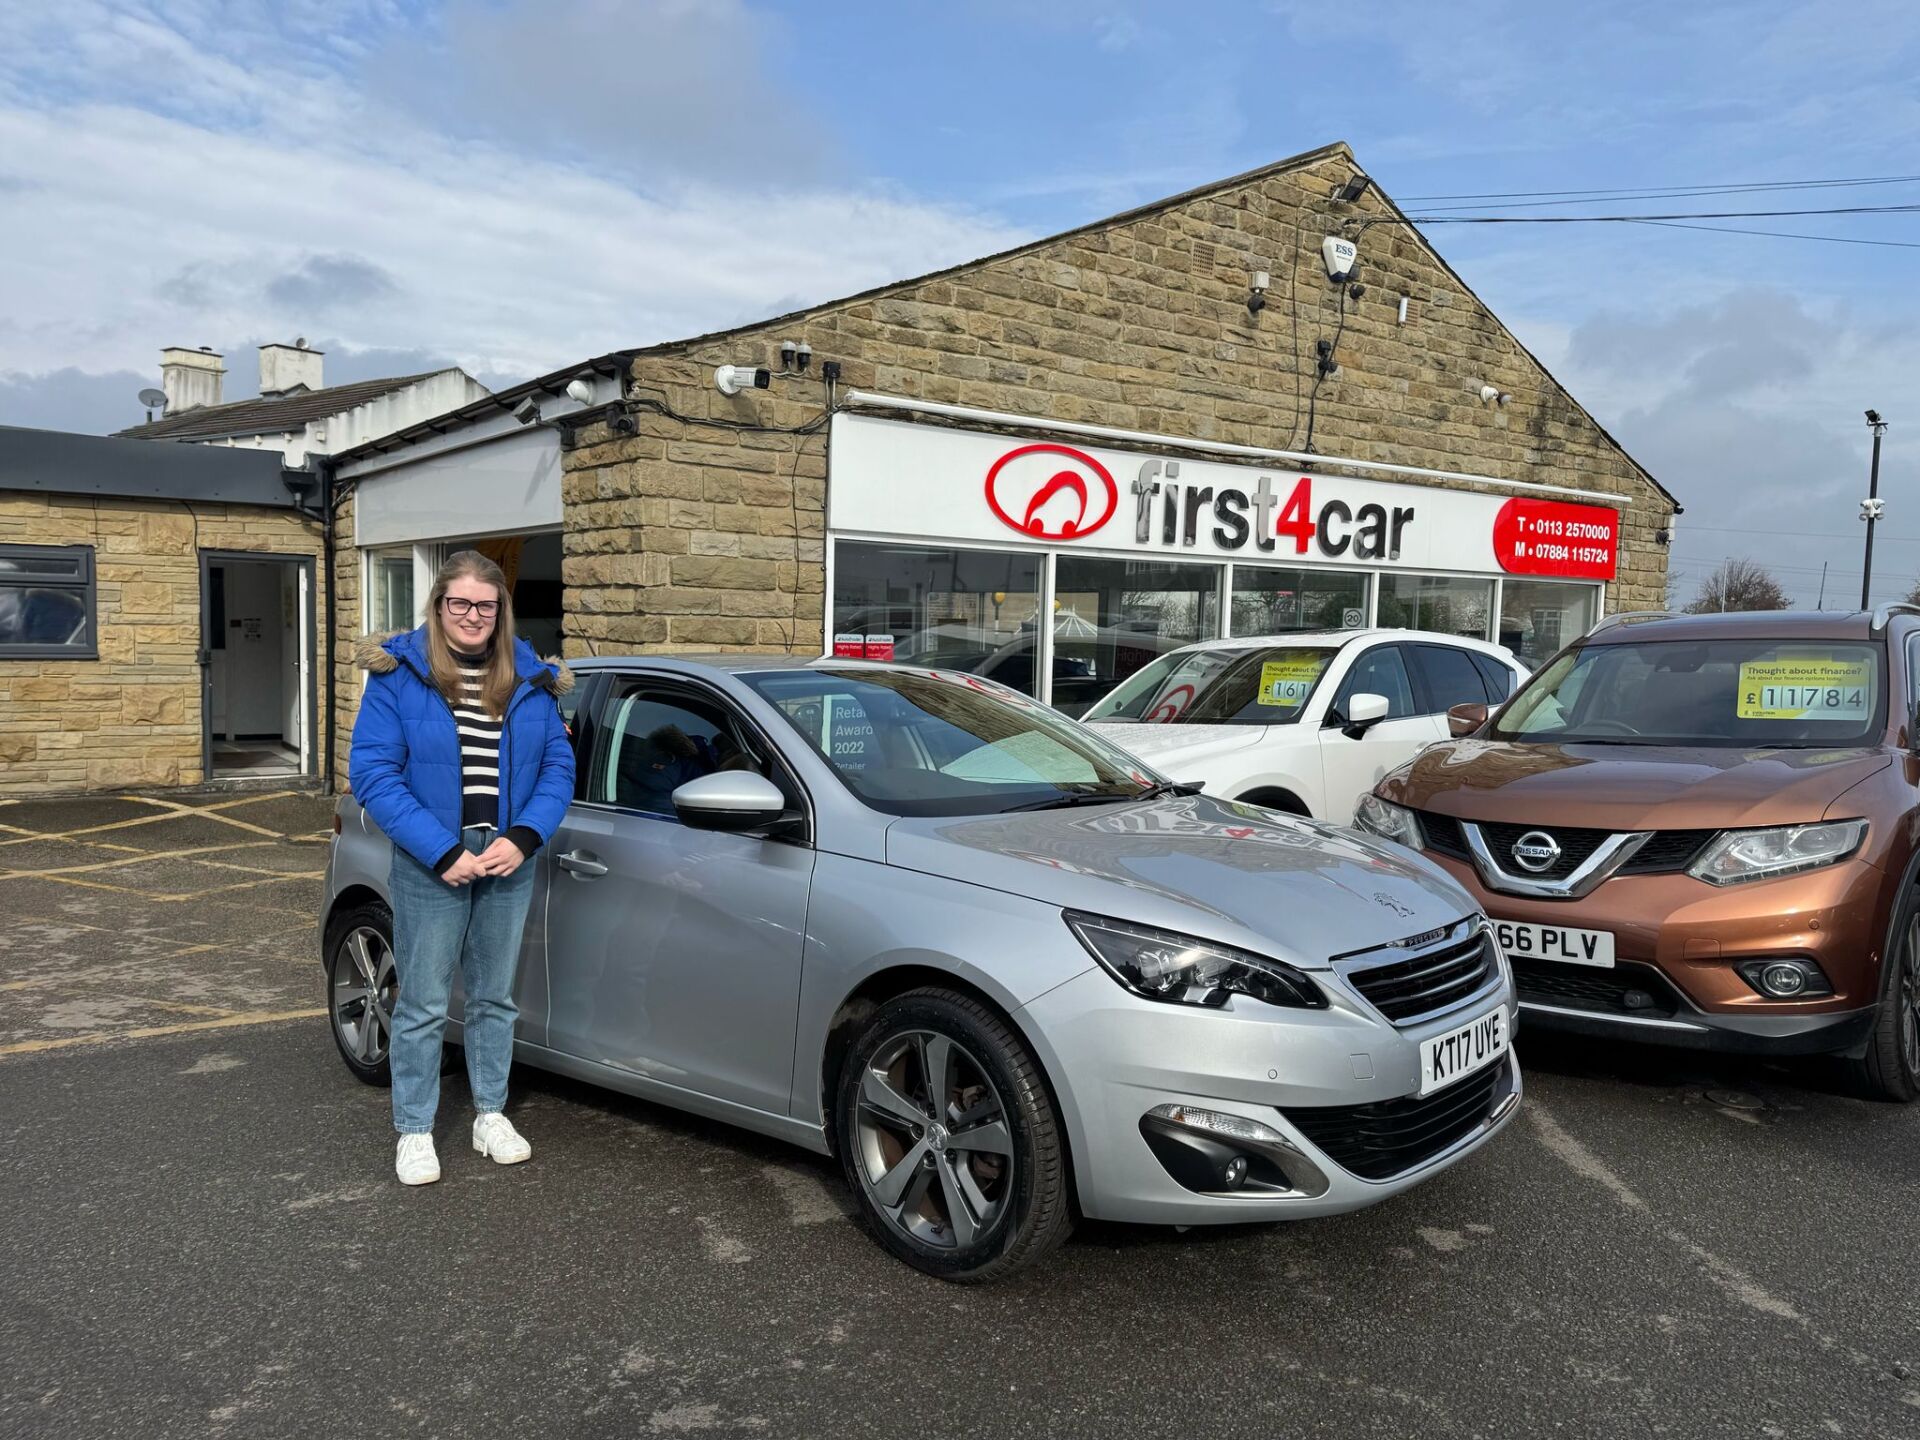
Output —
(581, 862)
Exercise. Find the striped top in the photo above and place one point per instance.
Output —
(479, 746)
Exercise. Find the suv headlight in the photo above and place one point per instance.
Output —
(1741, 855)
(1184, 970)
(1389, 821)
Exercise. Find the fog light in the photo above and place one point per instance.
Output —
(1786, 979)
(1217, 1122)
(1235, 1175)
(1637, 1000)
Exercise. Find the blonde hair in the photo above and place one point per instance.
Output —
(500, 674)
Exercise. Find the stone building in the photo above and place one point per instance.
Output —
(159, 607)
(1050, 464)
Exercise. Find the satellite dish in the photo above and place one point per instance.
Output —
(153, 400)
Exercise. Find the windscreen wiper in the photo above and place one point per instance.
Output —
(1067, 802)
(1171, 787)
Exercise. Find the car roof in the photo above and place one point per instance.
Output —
(1737, 625)
(1340, 638)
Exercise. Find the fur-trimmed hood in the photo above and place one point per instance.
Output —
(379, 654)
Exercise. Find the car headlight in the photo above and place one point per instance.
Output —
(1184, 970)
(1388, 820)
(1741, 855)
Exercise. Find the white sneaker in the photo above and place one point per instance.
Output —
(495, 1137)
(416, 1164)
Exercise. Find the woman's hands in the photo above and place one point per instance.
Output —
(501, 858)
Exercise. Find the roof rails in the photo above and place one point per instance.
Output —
(1884, 615)
(1634, 617)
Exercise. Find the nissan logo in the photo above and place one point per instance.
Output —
(1536, 851)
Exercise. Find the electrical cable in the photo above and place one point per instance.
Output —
(1322, 369)
(1293, 307)
(1643, 219)
(1784, 234)
(1731, 187)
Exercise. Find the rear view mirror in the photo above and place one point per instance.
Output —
(1364, 711)
(1463, 720)
(729, 800)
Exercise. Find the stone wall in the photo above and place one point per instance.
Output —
(348, 679)
(131, 718)
(693, 536)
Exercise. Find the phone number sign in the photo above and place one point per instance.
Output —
(1551, 537)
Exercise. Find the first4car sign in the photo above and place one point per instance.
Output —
(891, 478)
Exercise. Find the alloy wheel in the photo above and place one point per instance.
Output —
(365, 986)
(935, 1152)
(1907, 997)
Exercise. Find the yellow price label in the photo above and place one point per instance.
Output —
(1805, 687)
(1287, 682)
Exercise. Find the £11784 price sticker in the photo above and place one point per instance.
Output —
(1805, 687)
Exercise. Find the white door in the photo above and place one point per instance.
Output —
(1351, 767)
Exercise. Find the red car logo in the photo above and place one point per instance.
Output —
(1051, 492)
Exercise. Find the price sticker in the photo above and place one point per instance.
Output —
(1805, 687)
(1288, 681)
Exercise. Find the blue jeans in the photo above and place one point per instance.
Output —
(438, 928)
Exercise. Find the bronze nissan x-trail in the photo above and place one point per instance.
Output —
(1698, 830)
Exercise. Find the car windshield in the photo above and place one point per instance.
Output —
(1758, 693)
(919, 742)
(1267, 686)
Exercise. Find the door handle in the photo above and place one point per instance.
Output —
(581, 862)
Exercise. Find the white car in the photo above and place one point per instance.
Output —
(1306, 722)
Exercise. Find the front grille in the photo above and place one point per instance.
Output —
(1665, 852)
(1575, 846)
(1390, 1137)
(1410, 989)
(1602, 991)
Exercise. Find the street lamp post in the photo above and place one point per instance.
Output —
(1872, 506)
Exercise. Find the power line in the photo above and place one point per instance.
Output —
(1716, 188)
(1785, 234)
(1646, 219)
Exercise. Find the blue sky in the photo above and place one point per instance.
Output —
(511, 186)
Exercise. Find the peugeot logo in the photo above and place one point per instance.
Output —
(1051, 492)
(1536, 851)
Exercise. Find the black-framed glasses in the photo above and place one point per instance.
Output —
(458, 608)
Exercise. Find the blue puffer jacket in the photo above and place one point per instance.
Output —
(405, 764)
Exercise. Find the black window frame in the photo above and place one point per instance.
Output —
(1409, 667)
(1494, 672)
(87, 587)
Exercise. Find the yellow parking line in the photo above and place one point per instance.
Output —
(149, 1032)
(134, 859)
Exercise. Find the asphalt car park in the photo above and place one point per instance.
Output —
(204, 1237)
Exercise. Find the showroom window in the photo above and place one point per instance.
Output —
(47, 602)
(1537, 617)
(1446, 604)
(1271, 601)
(390, 589)
(1111, 617)
(930, 605)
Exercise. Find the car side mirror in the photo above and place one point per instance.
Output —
(1463, 720)
(729, 800)
(1364, 711)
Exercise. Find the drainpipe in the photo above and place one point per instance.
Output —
(327, 683)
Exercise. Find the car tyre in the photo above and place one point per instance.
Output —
(362, 986)
(1890, 1070)
(972, 1185)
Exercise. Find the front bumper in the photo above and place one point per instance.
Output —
(1115, 1057)
(1680, 942)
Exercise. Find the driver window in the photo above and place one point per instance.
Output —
(1380, 671)
(653, 740)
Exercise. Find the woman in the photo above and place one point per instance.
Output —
(462, 759)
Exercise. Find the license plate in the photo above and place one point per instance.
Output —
(1474, 1046)
(1556, 942)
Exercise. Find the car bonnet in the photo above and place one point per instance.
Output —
(1236, 874)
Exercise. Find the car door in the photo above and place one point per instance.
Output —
(1351, 767)
(1446, 676)
(674, 952)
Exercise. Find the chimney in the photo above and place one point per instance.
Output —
(191, 378)
(286, 368)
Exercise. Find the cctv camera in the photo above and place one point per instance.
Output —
(732, 379)
(580, 392)
(788, 350)
(805, 356)
(528, 413)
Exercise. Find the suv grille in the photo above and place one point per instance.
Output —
(1423, 984)
(1390, 1137)
(1666, 852)
(1601, 991)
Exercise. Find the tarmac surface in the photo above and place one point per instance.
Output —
(204, 1236)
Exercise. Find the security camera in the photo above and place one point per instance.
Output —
(805, 356)
(1493, 395)
(732, 379)
(528, 413)
(580, 392)
(788, 352)
(1341, 257)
